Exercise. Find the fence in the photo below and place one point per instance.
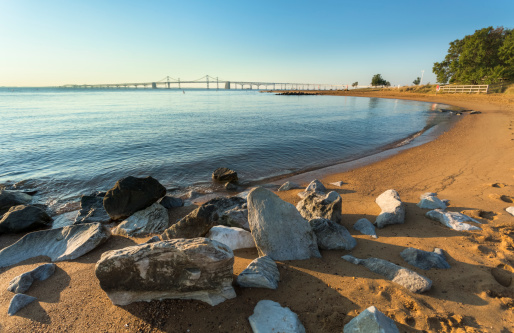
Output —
(465, 89)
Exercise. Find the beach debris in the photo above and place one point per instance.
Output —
(397, 274)
(169, 202)
(92, 209)
(152, 220)
(23, 218)
(60, 244)
(371, 321)
(332, 236)
(393, 209)
(18, 302)
(453, 220)
(22, 283)
(130, 195)
(319, 205)
(424, 259)
(338, 184)
(510, 210)
(502, 276)
(9, 199)
(288, 186)
(365, 227)
(314, 186)
(269, 316)
(197, 268)
(278, 228)
(235, 238)
(224, 175)
(261, 273)
(431, 201)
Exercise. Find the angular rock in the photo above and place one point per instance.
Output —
(171, 202)
(502, 276)
(316, 205)
(23, 218)
(130, 195)
(332, 236)
(365, 227)
(224, 175)
(18, 302)
(314, 186)
(453, 220)
(510, 210)
(92, 210)
(425, 260)
(60, 244)
(22, 283)
(235, 238)
(398, 274)
(278, 228)
(393, 210)
(288, 186)
(338, 184)
(235, 217)
(231, 186)
(64, 219)
(197, 268)
(431, 201)
(9, 199)
(269, 316)
(152, 220)
(371, 321)
(261, 273)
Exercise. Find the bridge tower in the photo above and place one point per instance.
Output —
(207, 76)
(227, 85)
(179, 83)
(168, 81)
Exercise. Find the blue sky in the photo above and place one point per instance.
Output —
(59, 42)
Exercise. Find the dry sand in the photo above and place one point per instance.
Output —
(472, 165)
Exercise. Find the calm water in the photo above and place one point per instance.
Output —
(70, 142)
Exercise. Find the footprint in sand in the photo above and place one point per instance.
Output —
(504, 198)
(480, 214)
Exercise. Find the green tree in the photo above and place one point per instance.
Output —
(378, 80)
(355, 84)
(417, 81)
(487, 57)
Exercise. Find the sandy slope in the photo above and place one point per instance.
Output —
(472, 165)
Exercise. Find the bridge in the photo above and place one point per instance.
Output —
(210, 82)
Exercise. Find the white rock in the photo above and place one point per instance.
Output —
(371, 321)
(393, 210)
(453, 220)
(339, 183)
(269, 316)
(431, 201)
(510, 210)
(235, 238)
(152, 220)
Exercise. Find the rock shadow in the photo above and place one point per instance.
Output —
(35, 312)
(59, 281)
(112, 243)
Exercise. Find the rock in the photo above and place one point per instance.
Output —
(365, 227)
(510, 210)
(60, 244)
(22, 283)
(314, 186)
(453, 220)
(198, 268)
(288, 186)
(224, 175)
(230, 186)
(269, 316)
(64, 219)
(235, 217)
(23, 218)
(425, 260)
(475, 112)
(316, 205)
(261, 273)
(430, 201)
(9, 199)
(171, 202)
(18, 302)
(393, 210)
(278, 228)
(502, 276)
(398, 274)
(92, 210)
(332, 236)
(338, 184)
(152, 220)
(371, 321)
(130, 195)
(235, 238)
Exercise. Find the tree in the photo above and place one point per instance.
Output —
(377, 80)
(417, 81)
(486, 57)
(355, 84)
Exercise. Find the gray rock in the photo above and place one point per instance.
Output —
(425, 260)
(18, 302)
(224, 175)
(278, 228)
(22, 283)
(317, 205)
(332, 236)
(261, 273)
(235, 238)
(198, 268)
(171, 202)
(60, 244)
(393, 209)
(371, 321)
(398, 274)
(510, 210)
(235, 217)
(288, 186)
(64, 219)
(431, 201)
(9, 199)
(152, 220)
(231, 186)
(365, 227)
(269, 316)
(23, 218)
(453, 220)
(314, 186)
(92, 210)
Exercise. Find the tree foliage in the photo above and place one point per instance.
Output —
(417, 81)
(378, 80)
(355, 84)
(485, 57)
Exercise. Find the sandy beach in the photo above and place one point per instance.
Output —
(472, 165)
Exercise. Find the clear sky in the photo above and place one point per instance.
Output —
(56, 42)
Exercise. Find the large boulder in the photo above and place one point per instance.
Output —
(235, 238)
(316, 205)
(269, 316)
(198, 268)
(224, 175)
(152, 220)
(9, 199)
(23, 282)
(130, 195)
(261, 273)
(424, 259)
(431, 201)
(278, 228)
(23, 218)
(59, 244)
(92, 210)
(371, 321)
(453, 220)
(393, 209)
(332, 236)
